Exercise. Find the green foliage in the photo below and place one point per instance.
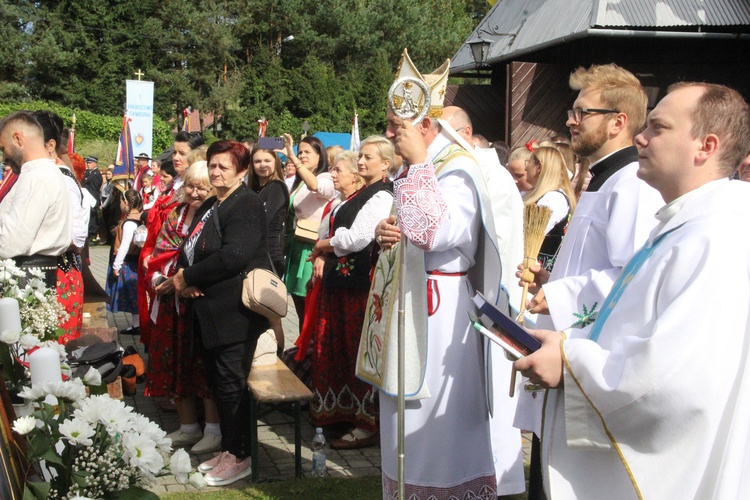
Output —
(92, 127)
(228, 57)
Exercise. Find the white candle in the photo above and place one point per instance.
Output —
(10, 316)
(44, 365)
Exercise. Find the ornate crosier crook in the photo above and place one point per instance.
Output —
(408, 109)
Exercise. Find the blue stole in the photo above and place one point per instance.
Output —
(626, 276)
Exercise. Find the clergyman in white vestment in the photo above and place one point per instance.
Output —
(612, 219)
(654, 400)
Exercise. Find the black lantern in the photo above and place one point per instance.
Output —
(480, 50)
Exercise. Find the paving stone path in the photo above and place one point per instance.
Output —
(275, 432)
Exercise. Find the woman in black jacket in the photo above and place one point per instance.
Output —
(267, 179)
(227, 237)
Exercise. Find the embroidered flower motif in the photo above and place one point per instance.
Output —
(345, 266)
(587, 318)
(378, 303)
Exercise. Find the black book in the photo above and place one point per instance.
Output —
(504, 329)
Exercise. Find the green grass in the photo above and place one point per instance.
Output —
(361, 488)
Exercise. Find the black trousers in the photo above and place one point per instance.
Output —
(536, 483)
(94, 222)
(227, 368)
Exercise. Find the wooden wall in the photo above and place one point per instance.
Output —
(485, 105)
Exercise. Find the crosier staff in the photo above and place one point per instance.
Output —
(408, 110)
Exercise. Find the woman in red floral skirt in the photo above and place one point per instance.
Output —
(343, 263)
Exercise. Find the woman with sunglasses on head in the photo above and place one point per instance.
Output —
(175, 369)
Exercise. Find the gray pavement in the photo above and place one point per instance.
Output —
(275, 432)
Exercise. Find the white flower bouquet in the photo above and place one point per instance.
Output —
(40, 315)
(93, 447)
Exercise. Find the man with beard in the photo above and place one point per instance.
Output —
(636, 409)
(35, 216)
(612, 220)
(616, 213)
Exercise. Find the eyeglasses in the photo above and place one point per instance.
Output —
(530, 161)
(577, 114)
(196, 188)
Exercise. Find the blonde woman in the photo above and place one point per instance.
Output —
(517, 168)
(343, 264)
(547, 172)
(175, 369)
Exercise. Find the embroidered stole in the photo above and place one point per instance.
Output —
(377, 359)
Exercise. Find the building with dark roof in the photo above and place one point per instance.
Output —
(527, 48)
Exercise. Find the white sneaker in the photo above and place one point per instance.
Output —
(213, 463)
(180, 438)
(209, 443)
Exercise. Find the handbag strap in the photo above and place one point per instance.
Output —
(273, 268)
(218, 229)
(216, 217)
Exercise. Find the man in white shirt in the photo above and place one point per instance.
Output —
(615, 214)
(35, 217)
(654, 401)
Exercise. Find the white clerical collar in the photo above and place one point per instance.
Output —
(668, 211)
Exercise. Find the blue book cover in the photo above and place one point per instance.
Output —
(504, 326)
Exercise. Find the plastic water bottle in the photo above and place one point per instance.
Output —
(319, 454)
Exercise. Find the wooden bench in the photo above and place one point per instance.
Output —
(95, 315)
(276, 385)
(96, 329)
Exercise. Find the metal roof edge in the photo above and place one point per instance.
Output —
(596, 32)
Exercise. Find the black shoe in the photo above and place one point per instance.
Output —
(133, 330)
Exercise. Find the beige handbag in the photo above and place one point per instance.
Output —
(262, 290)
(264, 293)
(307, 230)
(265, 350)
